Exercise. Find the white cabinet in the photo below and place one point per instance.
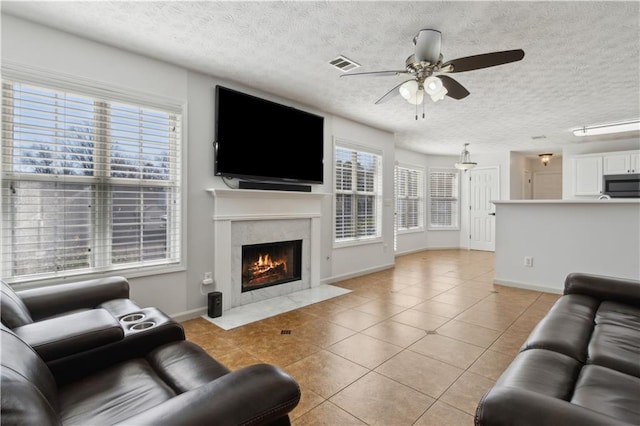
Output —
(621, 162)
(587, 179)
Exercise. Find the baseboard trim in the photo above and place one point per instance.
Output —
(188, 315)
(528, 286)
(418, 250)
(337, 278)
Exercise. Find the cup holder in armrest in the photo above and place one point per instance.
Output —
(135, 317)
(142, 325)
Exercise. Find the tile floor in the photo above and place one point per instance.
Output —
(414, 345)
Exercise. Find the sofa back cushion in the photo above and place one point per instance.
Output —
(28, 389)
(14, 312)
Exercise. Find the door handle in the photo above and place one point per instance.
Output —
(492, 214)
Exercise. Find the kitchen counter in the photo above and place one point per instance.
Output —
(585, 201)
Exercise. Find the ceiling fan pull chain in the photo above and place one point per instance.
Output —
(417, 91)
(423, 110)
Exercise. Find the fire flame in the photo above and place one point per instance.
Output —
(265, 262)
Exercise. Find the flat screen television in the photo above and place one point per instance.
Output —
(256, 139)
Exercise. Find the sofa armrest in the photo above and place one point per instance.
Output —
(254, 395)
(69, 334)
(133, 345)
(507, 406)
(52, 300)
(603, 287)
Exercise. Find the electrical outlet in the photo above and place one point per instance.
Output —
(208, 278)
(528, 261)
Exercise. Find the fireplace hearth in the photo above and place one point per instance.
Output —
(269, 264)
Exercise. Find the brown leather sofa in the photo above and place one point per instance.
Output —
(175, 384)
(580, 365)
(82, 326)
(84, 353)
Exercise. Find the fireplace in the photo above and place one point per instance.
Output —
(247, 217)
(269, 264)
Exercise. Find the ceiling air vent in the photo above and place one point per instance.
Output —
(344, 64)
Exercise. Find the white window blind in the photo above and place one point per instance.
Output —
(409, 198)
(443, 199)
(358, 192)
(88, 184)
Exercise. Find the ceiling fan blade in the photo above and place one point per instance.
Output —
(391, 93)
(428, 45)
(455, 90)
(376, 73)
(485, 60)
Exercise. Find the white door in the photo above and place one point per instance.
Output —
(484, 186)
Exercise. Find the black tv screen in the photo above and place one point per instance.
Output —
(256, 139)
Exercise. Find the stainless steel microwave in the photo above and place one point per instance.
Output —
(621, 186)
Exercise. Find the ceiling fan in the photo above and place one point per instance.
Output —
(426, 61)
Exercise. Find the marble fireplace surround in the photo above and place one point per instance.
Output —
(243, 216)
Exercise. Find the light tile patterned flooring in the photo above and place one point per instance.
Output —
(414, 345)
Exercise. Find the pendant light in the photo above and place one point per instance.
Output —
(465, 160)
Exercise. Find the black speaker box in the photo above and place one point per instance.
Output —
(215, 304)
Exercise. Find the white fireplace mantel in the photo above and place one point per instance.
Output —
(233, 205)
(247, 204)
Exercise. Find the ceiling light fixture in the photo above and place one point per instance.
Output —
(435, 88)
(605, 129)
(545, 158)
(465, 160)
(412, 92)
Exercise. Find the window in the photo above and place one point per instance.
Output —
(89, 185)
(409, 198)
(443, 199)
(358, 177)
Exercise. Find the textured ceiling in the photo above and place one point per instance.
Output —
(581, 64)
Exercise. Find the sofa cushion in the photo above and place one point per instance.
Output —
(617, 348)
(24, 365)
(542, 371)
(618, 314)
(14, 312)
(23, 403)
(112, 395)
(185, 366)
(609, 392)
(566, 328)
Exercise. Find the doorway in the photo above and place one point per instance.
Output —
(484, 186)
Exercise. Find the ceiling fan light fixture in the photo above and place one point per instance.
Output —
(435, 88)
(412, 92)
(433, 85)
(465, 160)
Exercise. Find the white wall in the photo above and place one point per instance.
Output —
(518, 163)
(426, 239)
(598, 237)
(180, 293)
(355, 260)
